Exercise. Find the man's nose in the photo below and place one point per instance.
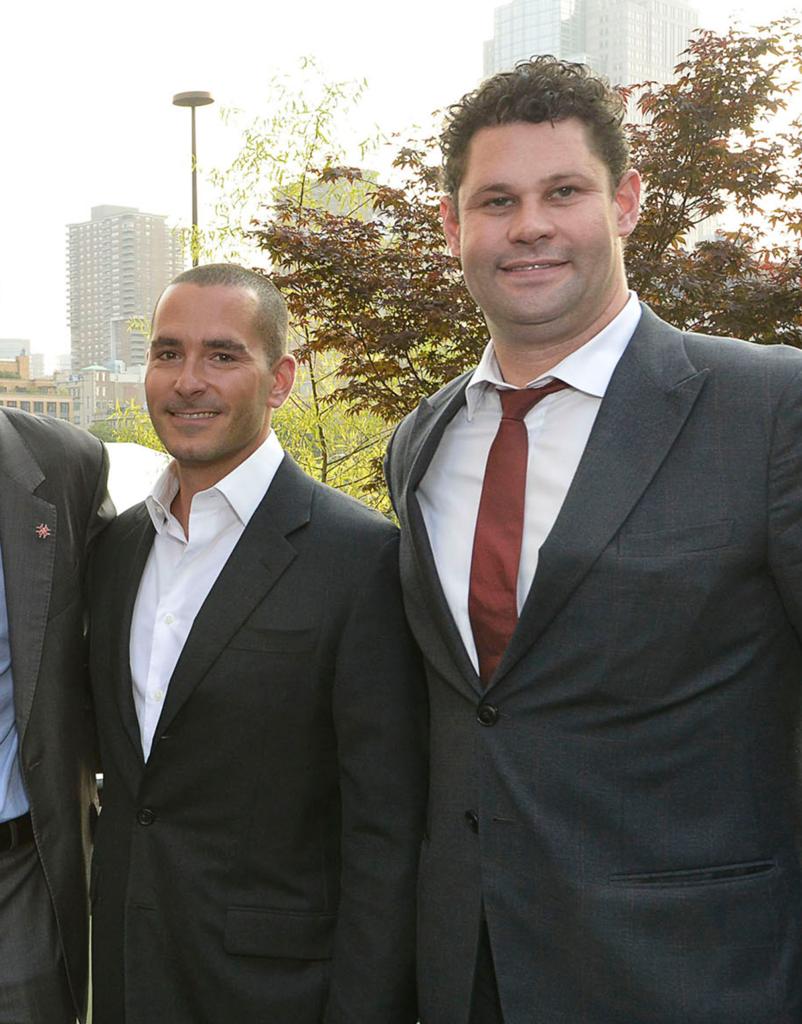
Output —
(531, 220)
(190, 380)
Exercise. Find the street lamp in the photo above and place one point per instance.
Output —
(192, 100)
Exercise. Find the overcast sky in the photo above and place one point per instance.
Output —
(87, 117)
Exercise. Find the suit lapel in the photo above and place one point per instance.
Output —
(28, 561)
(259, 559)
(647, 402)
(433, 417)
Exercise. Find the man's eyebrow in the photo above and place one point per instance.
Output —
(224, 344)
(548, 182)
(227, 344)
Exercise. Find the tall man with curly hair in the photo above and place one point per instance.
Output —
(602, 561)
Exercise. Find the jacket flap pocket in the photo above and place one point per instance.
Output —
(682, 539)
(252, 931)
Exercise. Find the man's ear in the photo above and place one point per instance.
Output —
(450, 219)
(627, 202)
(283, 371)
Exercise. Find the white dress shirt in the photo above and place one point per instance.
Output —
(558, 428)
(180, 572)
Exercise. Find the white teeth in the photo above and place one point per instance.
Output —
(195, 415)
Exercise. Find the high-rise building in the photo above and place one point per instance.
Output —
(638, 40)
(523, 28)
(628, 41)
(118, 264)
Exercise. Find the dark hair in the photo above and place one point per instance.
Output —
(270, 319)
(540, 89)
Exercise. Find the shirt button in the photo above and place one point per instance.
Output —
(169, 619)
(145, 816)
(487, 714)
(472, 820)
(157, 695)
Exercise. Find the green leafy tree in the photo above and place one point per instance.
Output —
(308, 126)
(719, 140)
(333, 443)
(382, 293)
(132, 423)
(380, 311)
(275, 168)
(103, 430)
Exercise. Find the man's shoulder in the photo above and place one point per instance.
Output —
(718, 351)
(430, 406)
(669, 356)
(295, 498)
(49, 439)
(757, 373)
(440, 398)
(341, 512)
(130, 518)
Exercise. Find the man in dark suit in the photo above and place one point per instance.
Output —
(52, 504)
(260, 706)
(602, 562)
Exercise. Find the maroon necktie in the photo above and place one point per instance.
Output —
(492, 603)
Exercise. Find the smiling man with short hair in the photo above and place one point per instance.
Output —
(259, 705)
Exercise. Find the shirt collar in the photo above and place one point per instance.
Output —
(588, 369)
(243, 488)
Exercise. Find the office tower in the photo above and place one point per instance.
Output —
(118, 263)
(628, 41)
(523, 28)
(638, 40)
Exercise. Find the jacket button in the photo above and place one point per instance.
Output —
(472, 819)
(487, 714)
(145, 816)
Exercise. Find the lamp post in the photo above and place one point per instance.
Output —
(192, 100)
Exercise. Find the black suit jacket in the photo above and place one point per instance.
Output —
(53, 476)
(626, 807)
(261, 866)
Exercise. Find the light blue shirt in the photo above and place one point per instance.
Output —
(13, 801)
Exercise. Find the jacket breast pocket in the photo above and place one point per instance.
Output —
(689, 539)
(254, 931)
(289, 641)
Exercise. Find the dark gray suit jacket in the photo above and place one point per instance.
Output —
(626, 810)
(53, 475)
(261, 866)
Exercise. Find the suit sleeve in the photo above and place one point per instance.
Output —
(380, 712)
(387, 468)
(102, 511)
(785, 501)
(390, 467)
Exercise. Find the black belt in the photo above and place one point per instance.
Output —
(14, 833)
